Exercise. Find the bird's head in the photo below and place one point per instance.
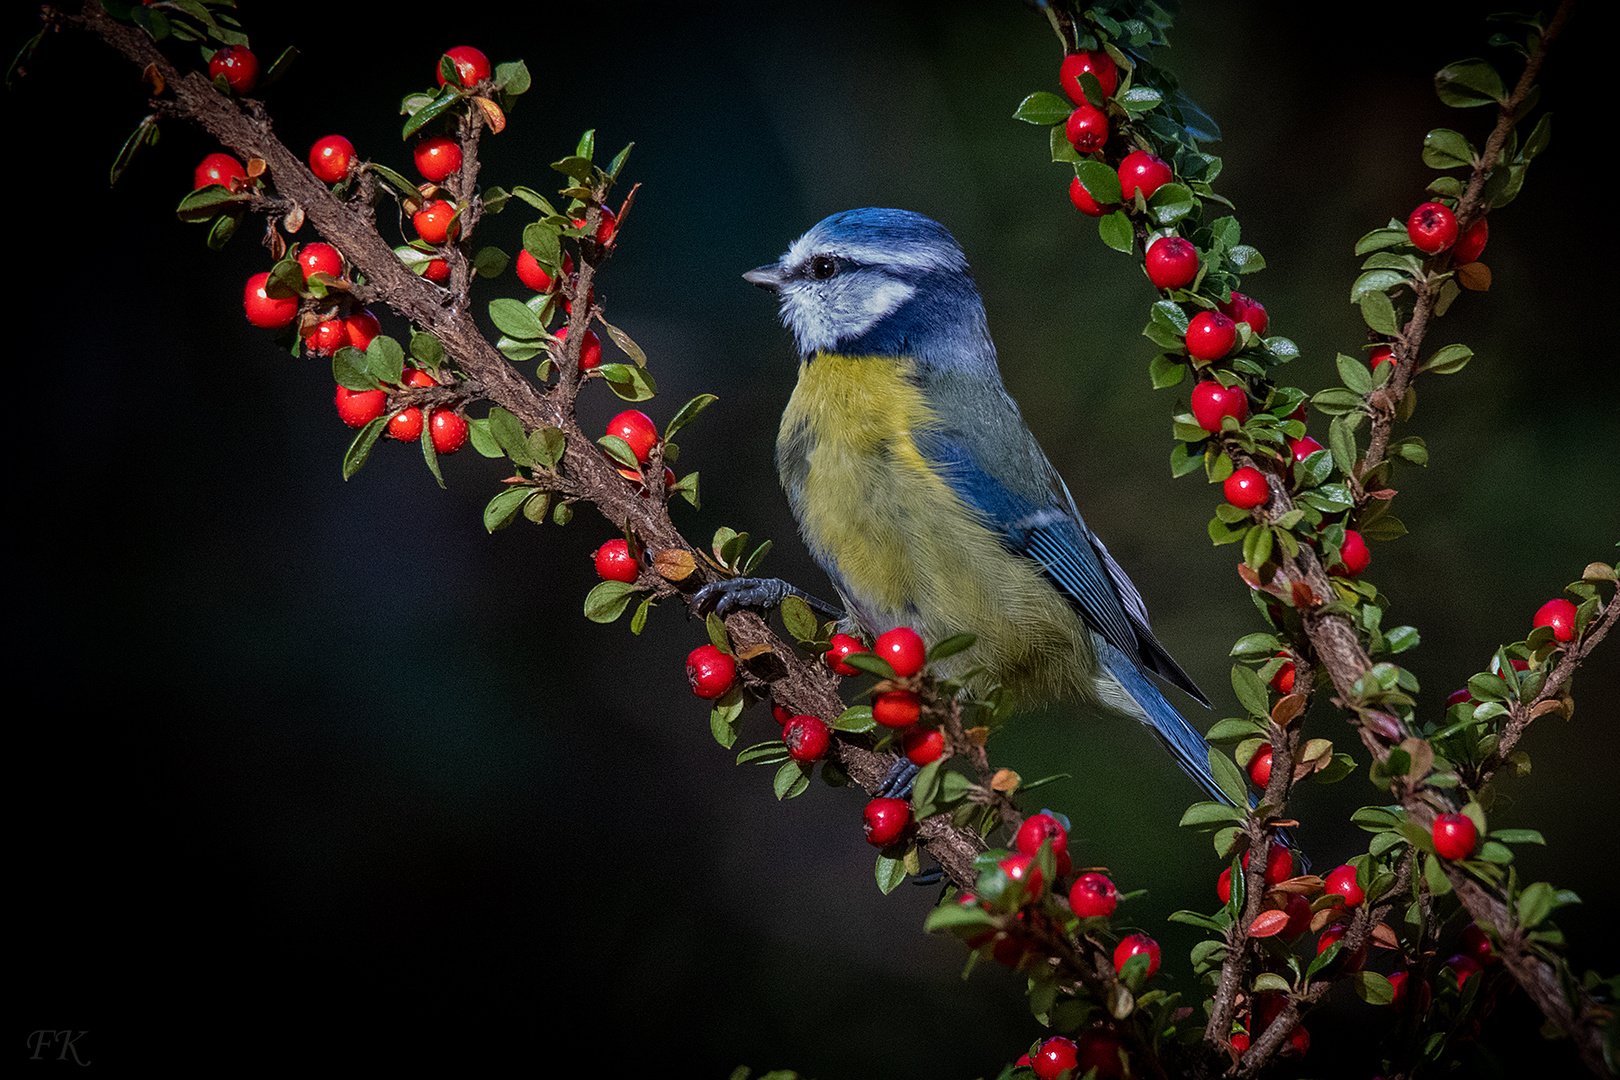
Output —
(879, 282)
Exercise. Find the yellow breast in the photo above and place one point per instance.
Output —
(902, 547)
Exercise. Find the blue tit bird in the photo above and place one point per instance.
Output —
(920, 490)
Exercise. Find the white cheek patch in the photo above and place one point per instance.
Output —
(822, 312)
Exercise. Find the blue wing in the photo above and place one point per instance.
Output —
(1050, 531)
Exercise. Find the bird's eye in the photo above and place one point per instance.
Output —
(823, 267)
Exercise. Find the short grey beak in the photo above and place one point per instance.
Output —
(766, 277)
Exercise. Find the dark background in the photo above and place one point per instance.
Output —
(319, 771)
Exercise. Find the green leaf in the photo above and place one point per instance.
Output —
(607, 601)
(489, 262)
(1449, 360)
(360, 449)
(1100, 182)
(1171, 203)
(791, 780)
(512, 78)
(144, 135)
(1379, 239)
(1228, 777)
(1246, 259)
(446, 100)
(1518, 836)
(628, 381)
(870, 663)
(1270, 981)
(622, 340)
(619, 451)
(798, 619)
(1446, 149)
(688, 413)
(1535, 904)
(385, 359)
(509, 433)
(1375, 281)
(504, 507)
(1468, 83)
(1209, 813)
(1043, 108)
(1250, 691)
(890, 873)
(1538, 139)
(856, 719)
(203, 203)
(951, 646)
(547, 444)
(1115, 231)
(515, 319)
(1166, 371)
(1378, 312)
(1372, 987)
(399, 183)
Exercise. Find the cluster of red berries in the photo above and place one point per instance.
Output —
(1432, 228)
(446, 428)
(896, 709)
(1059, 1058)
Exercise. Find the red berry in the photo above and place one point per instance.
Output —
(1397, 982)
(780, 715)
(1353, 554)
(1283, 681)
(608, 222)
(1432, 228)
(1465, 968)
(327, 337)
(436, 270)
(357, 408)
(1560, 615)
(1342, 882)
(1471, 244)
(1034, 831)
(842, 646)
(1246, 488)
(615, 563)
(417, 379)
(318, 258)
(903, 648)
(1380, 354)
(637, 429)
(807, 738)
(331, 157)
(269, 312)
(532, 274)
(1172, 263)
(238, 65)
(1210, 335)
(1098, 63)
(1279, 863)
(1260, 767)
(361, 327)
(896, 709)
(1135, 945)
(886, 821)
(590, 353)
(1087, 129)
(922, 745)
(1332, 936)
(710, 671)
(1101, 1051)
(433, 222)
(1055, 1058)
(1298, 910)
(1223, 886)
(1240, 1043)
(1083, 201)
(1212, 402)
(1303, 447)
(1477, 946)
(1454, 836)
(1244, 309)
(1299, 1042)
(1457, 697)
(472, 66)
(448, 431)
(1142, 171)
(217, 169)
(1021, 867)
(406, 425)
(1092, 895)
(437, 157)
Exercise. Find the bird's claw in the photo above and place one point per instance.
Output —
(897, 785)
(724, 597)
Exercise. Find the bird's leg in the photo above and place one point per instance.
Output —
(724, 597)
(897, 785)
